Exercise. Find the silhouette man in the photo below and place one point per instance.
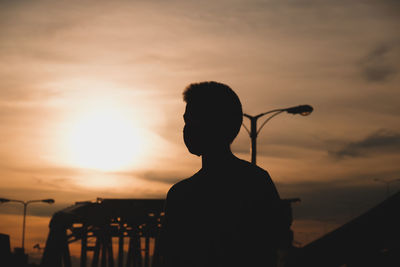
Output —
(224, 215)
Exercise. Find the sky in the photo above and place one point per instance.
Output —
(91, 100)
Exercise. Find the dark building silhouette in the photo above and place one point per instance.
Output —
(370, 240)
(17, 258)
(5, 250)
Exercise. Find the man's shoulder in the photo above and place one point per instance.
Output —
(182, 186)
(251, 170)
(255, 180)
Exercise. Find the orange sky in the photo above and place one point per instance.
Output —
(91, 106)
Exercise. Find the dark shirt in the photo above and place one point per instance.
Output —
(221, 217)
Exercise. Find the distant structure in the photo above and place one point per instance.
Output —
(95, 224)
(372, 239)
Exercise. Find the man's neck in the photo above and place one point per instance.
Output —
(217, 158)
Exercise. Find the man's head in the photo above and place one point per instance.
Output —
(213, 116)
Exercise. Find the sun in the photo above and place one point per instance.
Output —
(105, 139)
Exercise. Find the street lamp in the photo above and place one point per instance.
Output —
(25, 203)
(303, 110)
(387, 182)
(4, 200)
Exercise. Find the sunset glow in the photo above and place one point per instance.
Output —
(105, 139)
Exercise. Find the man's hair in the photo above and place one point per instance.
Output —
(219, 106)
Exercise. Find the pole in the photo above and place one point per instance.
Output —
(253, 132)
(23, 228)
(84, 247)
(253, 136)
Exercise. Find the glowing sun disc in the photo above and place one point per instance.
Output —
(105, 140)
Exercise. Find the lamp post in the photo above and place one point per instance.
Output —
(303, 110)
(25, 203)
(387, 182)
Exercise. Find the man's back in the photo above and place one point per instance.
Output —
(222, 216)
(227, 214)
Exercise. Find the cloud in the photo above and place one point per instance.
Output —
(380, 142)
(169, 177)
(375, 66)
(165, 177)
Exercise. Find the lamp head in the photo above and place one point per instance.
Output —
(4, 200)
(303, 110)
(50, 200)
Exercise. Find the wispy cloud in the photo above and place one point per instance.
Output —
(169, 178)
(376, 67)
(162, 176)
(383, 141)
